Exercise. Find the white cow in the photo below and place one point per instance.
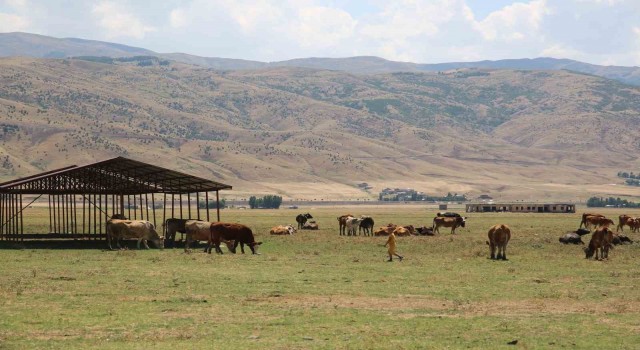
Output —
(141, 230)
(352, 226)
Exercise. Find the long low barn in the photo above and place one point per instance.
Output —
(521, 207)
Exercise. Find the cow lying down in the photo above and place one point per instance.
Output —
(282, 230)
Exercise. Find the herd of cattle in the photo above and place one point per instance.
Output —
(232, 234)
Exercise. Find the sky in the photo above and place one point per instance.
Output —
(603, 32)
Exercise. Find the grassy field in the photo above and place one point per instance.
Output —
(317, 290)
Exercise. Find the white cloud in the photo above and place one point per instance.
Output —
(513, 22)
(322, 26)
(178, 18)
(13, 23)
(119, 22)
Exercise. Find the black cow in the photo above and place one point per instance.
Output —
(301, 219)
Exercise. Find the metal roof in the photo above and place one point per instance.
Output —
(112, 176)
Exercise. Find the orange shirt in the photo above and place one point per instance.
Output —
(391, 242)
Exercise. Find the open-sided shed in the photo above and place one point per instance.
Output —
(82, 198)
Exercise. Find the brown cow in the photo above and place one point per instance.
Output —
(342, 221)
(499, 236)
(584, 218)
(240, 234)
(401, 231)
(598, 221)
(385, 230)
(623, 220)
(200, 231)
(453, 222)
(141, 230)
(635, 227)
(600, 240)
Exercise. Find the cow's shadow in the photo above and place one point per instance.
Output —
(81, 244)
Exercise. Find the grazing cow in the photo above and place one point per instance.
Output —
(366, 225)
(119, 217)
(238, 233)
(601, 240)
(302, 218)
(342, 221)
(199, 231)
(453, 222)
(141, 230)
(170, 227)
(623, 220)
(283, 230)
(598, 221)
(310, 225)
(425, 231)
(401, 231)
(499, 236)
(584, 219)
(571, 237)
(448, 214)
(385, 230)
(352, 226)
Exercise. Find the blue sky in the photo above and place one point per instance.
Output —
(426, 31)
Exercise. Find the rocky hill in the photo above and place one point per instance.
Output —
(314, 134)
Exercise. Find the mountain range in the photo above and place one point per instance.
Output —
(33, 45)
(316, 132)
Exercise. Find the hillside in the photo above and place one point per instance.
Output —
(313, 134)
(39, 46)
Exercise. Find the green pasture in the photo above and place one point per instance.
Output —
(318, 290)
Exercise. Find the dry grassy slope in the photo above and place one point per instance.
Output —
(311, 134)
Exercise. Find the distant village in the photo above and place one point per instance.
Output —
(409, 194)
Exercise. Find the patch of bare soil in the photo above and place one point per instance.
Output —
(524, 307)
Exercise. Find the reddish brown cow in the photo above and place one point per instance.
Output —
(623, 220)
(196, 230)
(635, 227)
(240, 234)
(584, 218)
(342, 221)
(601, 240)
(499, 236)
(598, 221)
(453, 222)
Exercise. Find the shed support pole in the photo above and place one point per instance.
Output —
(189, 204)
(153, 209)
(218, 204)
(206, 199)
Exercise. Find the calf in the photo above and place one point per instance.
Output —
(238, 233)
(621, 239)
(425, 231)
(141, 230)
(499, 236)
(601, 240)
(453, 222)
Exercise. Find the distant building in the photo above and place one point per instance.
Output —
(521, 207)
(485, 197)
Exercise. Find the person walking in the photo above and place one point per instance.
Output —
(391, 242)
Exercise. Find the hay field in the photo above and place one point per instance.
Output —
(317, 290)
